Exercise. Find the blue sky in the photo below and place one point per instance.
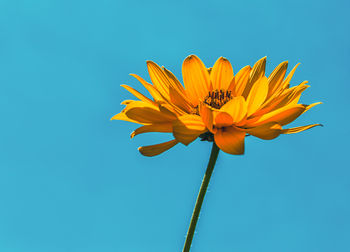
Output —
(72, 180)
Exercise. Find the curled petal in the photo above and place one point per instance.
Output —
(153, 150)
(282, 116)
(266, 131)
(126, 102)
(145, 113)
(158, 127)
(311, 106)
(223, 119)
(299, 129)
(122, 117)
(230, 140)
(207, 117)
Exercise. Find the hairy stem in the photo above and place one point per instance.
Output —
(200, 197)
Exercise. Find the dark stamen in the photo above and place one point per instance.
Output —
(217, 98)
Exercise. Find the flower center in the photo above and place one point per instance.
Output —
(218, 98)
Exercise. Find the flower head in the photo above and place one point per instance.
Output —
(215, 105)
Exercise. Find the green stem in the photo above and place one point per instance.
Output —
(200, 198)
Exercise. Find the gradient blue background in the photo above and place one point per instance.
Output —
(72, 180)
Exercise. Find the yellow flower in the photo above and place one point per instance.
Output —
(215, 105)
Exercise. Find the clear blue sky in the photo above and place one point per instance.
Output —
(71, 180)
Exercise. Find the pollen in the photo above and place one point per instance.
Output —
(217, 98)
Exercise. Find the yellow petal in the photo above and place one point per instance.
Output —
(230, 140)
(159, 79)
(143, 112)
(281, 116)
(256, 73)
(311, 106)
(266, 131)
(276, 77)
(221, 74)
(292, 95)
(159, 127)
(237, 108)
(223, 119)
(169, 110)
(159, 97)
(207, 116)
(139, 104)
(126, 102)
(299, 129)
(240, 81)
(179, 101)
(151, 89)
(153, 150)
(174, 81)
(257, 95)
(286, 82)
(187, 128)
(196, 79)
(258, 70)
(122, 117)
(177, 92)
(137, 94)
(295, 97)
(288, 96)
